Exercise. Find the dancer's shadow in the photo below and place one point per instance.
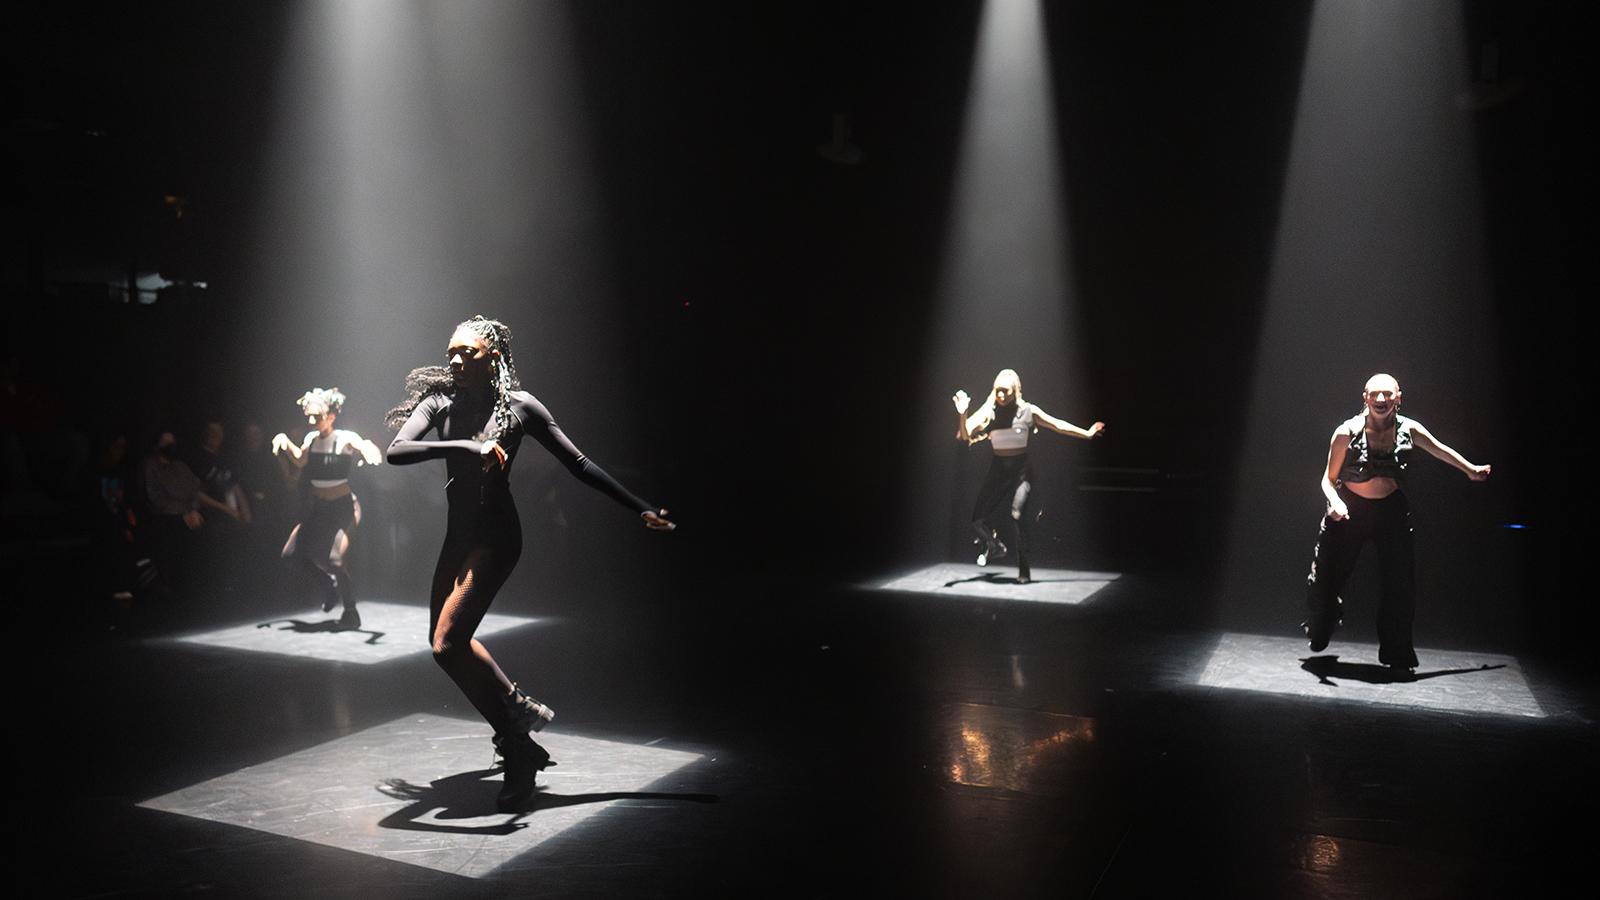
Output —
(997, 578)
(1329, 667)
(468, 795)
(986, 578)
(330, 626)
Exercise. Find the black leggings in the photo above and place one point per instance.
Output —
(477, 558)
(1008, 486)
(314, 543)
(1387, 523)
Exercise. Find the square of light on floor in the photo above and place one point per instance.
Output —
(1461, 681)
(416, 791)
(387, 631)
(1065, 586)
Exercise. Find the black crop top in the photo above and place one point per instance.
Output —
(457, 423)
(1361, 464)
(328, 466)
(329, 459)
(1009, 427)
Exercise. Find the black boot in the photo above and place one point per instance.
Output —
(522, 759)
(1320, 626)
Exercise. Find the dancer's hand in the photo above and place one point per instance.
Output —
(1096, 429)
(193, 519)
(281, 442)
(493, 454)
(657, 521)
(1479, 473)
(962, 401)
(1338, 511)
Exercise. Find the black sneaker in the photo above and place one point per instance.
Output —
(351, 618)
(521, 760)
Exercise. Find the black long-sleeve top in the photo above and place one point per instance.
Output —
(457, 424)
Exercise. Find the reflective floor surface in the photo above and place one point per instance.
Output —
(831, 743)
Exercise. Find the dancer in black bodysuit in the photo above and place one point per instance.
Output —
(1005, 420)
(479, 416)
(320, 540)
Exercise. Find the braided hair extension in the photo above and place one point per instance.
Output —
(317, 402)
(421, 383)
(502, 373)
(428, 380)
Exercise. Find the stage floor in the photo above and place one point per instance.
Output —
(908, 737)
(1065, 586)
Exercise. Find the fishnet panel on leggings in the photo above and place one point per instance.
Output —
(461, 597)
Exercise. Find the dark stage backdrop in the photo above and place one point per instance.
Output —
(744, 330)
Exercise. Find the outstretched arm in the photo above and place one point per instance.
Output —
(283, 448)
(1061, 426)
(1428, 442)
(542, 427)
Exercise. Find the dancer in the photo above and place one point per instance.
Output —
(480, 415)
(1366, 462)
(320, 540)
(1005, 420)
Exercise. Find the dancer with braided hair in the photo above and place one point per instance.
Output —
(320, 540)
(478, 415)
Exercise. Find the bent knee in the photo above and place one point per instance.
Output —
(447, 651)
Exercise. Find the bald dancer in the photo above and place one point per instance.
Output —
(1367, 459)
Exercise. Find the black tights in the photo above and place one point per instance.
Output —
(317, 547)
(469, 574)
(1008, 485)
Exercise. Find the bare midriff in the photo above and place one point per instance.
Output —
(335, 491)
(1373, 488)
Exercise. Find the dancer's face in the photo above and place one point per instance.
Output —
(469, 358)
(323, 421)
(1382, 395)
(1005, 391)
